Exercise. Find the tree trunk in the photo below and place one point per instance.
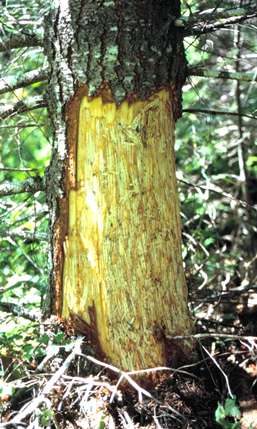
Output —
(117, 71)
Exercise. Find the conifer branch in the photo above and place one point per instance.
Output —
(22, 107)
(218, 112)
(215, 22)
(31, 185)
(18, 310)
(223, 74)
(26, 236)
(20, 41)
(11, 83)
(28, 125)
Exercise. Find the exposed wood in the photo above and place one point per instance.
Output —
(123, 272)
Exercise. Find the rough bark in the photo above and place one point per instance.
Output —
(117, 68)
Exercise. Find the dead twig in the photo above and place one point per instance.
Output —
(28, 409)
(221, 370)
(129, 379)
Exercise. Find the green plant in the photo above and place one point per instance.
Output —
(46, 417)
(228, 414)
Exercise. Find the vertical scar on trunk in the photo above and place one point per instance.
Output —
(123, 229)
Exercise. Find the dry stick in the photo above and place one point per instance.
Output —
(20, 41)
(214, 14)
(35, 423)
(212, 335)
(13, 286)
(228, 294)
(130, 380)
(23, 126)
(19, 170)
(218, 112)
(147, 371)
(203, 28)
(221, 370)
(33, 405)
(219, 192)
(31, 185)
(11, 83)
(85, 380)
(161, 368)
(123, 374)
(19, 311)
(242, 153)
(222, 74)
(22, 107)
(25, 236)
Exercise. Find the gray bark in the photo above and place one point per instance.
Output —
(133, 46)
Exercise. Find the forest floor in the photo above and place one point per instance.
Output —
(70, 389)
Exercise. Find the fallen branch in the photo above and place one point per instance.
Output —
(31, 185)
(20, 41)
(129, 379)
(123, 375)
(22, 107)
(223, 74)
(218, 112)
(43, 397)
(11, 83)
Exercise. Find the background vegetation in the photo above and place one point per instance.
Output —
(217, 175)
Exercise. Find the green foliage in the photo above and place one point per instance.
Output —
(22, 340)
(25, 142)
(6, 389)
(219, 233)
(228, 414)
(45, 417)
